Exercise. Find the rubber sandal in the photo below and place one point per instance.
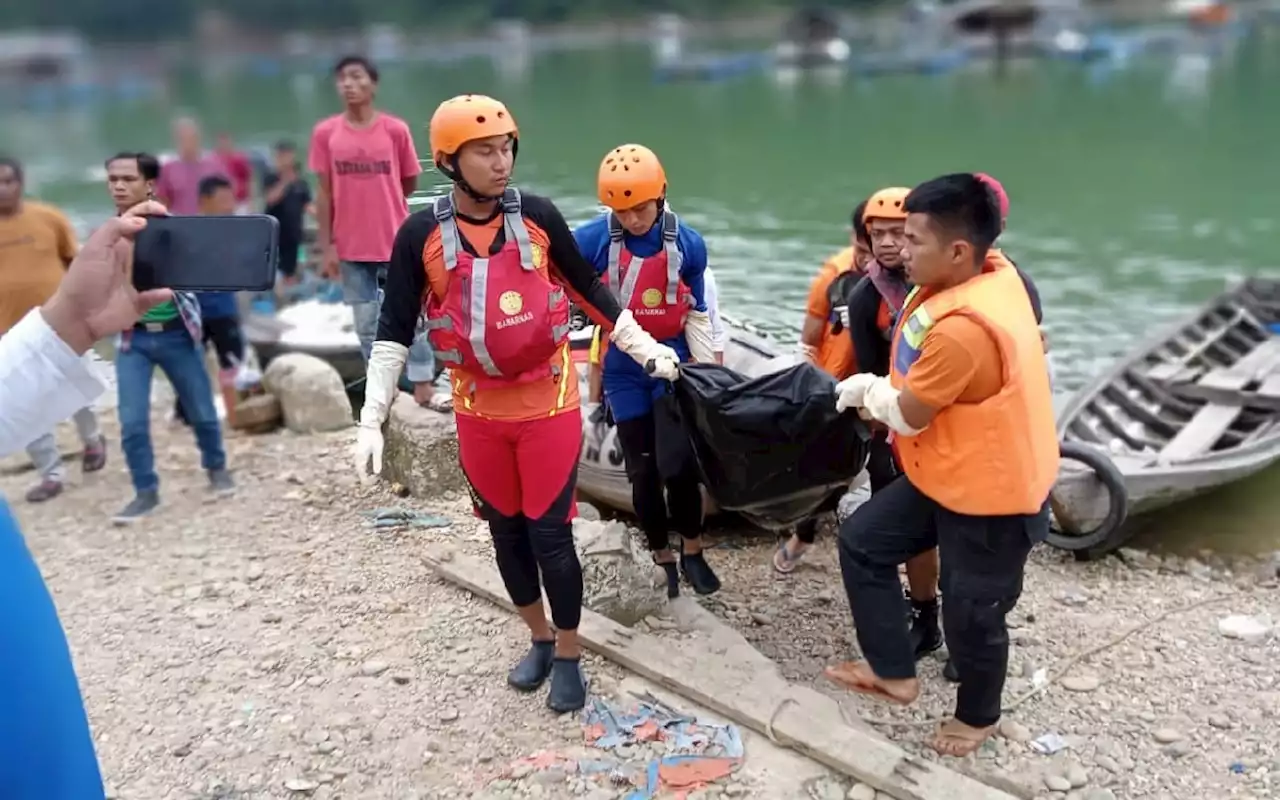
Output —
(848, 676)
(785, 563)
(959, 744)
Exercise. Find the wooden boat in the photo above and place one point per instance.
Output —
(1194, 408)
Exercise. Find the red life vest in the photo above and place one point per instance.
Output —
(658, 299)
(502, 319)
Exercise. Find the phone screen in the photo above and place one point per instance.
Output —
(206, 253)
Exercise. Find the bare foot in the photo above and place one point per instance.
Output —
(857, 676)
(954, 738)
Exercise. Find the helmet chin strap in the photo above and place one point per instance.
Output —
(450, 170)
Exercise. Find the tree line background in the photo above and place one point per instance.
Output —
(143, 20)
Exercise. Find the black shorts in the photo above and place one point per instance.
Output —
(288, 264)
(227, 339)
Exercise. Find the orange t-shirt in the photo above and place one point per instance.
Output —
(517, 401)
(36, 245)
(959, 363)
(835, 351)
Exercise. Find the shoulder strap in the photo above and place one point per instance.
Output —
(517, 231)
(443, 210)
(611, 273)
(675, 260)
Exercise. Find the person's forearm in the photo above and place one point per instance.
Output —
(324, 220)
(43, 380)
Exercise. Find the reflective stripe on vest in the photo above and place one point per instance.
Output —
(910, 333)
(627, 287)
(450, 241)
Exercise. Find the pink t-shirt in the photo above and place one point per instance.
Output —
(179, 183)
(365, 168)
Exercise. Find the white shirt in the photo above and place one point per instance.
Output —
(42, 382)
(709, 295)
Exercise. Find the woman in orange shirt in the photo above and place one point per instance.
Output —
(494, 270)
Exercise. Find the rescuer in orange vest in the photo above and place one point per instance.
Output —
(969, 404)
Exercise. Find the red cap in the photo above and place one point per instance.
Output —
(1002, 197)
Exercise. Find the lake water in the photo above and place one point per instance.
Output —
(1135, 191)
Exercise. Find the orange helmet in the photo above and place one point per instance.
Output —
(466, 118)
(886, 204)
(630, 175)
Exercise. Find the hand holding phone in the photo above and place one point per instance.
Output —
(207, 253)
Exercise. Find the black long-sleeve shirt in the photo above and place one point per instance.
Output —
(407, 284)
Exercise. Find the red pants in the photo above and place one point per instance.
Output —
(521, 467)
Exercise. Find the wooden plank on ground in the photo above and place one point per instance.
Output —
(746, 691)
(1201, 433)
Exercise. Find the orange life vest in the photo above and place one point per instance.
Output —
(998, 456)
(501, 319)
(650, 287)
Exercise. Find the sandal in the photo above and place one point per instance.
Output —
(857, 676)
(784, 562)
(953, 738)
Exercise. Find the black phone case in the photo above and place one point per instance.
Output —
(207, 254)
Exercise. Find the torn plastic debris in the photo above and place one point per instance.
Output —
(1049, 744)
(403, 517)
(701, 752)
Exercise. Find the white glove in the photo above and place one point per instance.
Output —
(385, 364)
(665, 369)
(881, 400)
(851, 391)
(368, 448)
(636, 342)
(701, 338)
(809, 352)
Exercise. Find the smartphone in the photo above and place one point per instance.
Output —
(207, 254)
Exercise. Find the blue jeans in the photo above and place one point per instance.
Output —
(46, 750)
(362, 283)
(182, 362)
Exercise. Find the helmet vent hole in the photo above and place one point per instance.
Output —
(501, 114)
(626, 193)
(480, 119)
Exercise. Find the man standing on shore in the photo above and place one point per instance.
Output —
(168, 336)
(288, 198)
(37, 244)
(179, 184)
(367, 166)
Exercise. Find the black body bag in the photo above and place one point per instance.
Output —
(773, 448)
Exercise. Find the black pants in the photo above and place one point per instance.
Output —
(882, 469)
(983, 559)
(681, 509)
(524, 547)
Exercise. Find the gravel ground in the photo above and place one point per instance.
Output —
(1175, 711)
(271, 646)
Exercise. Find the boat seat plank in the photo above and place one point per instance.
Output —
(1167, 371)
(1201, 433)
(1261, 362)
(1270, 388)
